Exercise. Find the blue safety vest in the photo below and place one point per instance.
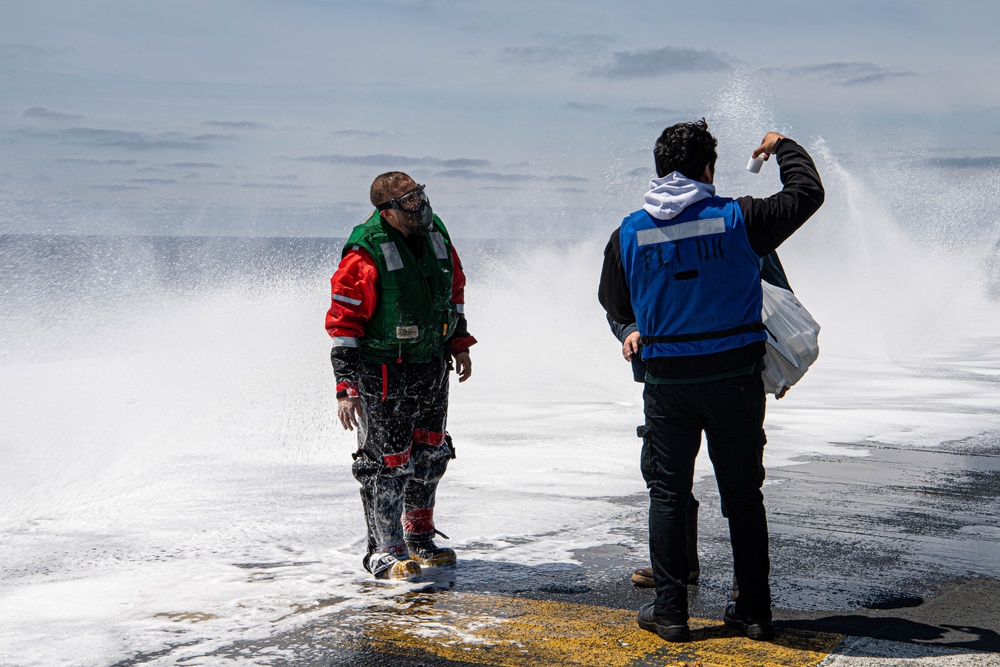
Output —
(694, 280)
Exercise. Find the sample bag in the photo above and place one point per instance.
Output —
(792, 338)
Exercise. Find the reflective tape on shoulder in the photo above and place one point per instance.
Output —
(344, 341)
(460, 308)
(393, 261)
(440, 250)
(684, 230)
(346, 299)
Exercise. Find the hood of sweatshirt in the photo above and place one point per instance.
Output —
(670, 195)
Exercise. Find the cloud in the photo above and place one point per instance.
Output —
(195, 165)
(386, 160)
(48, 114)
(845, 74)
(80, 160)
(660, 111)
(556, 49)
(486, 176)
(116, 188)
(659, 117)
(13, 52)
(213, 137)
(235, 124)
(365, 134)
(981, 162)
(665, 61)
(133, 141)
(535, 55)
(584, 106)
(471, 175)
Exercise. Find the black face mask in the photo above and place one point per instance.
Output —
(415, 211)
(421, 221)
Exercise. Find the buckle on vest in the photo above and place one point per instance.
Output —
(407, 332)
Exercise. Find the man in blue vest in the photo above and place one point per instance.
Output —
(628, 335)
(397, 319)
(686, 269)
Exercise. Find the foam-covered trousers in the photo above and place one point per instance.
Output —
(403, 449)
(731, 414)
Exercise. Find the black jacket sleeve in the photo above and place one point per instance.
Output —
(771, 220)
(621, 331)
(613, 292)
(346, 366)
(772, 271)
(614, 295)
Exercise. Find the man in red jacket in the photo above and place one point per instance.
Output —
(397, 319)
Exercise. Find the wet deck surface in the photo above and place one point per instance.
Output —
(898, 550)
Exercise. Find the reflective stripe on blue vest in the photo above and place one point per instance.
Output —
(694, 280)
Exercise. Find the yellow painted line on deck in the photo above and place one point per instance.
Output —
(511, 632)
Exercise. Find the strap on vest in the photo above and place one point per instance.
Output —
(753, 327)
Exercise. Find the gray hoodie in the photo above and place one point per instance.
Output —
(673, 193)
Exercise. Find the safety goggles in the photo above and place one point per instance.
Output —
(411, 201)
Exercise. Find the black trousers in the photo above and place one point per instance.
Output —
(731, 414)
(403, 449)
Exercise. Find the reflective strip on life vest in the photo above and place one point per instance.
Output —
(344, 341)
(433, 438)
(684, 230)
(460, 308)
(393, 262)
(346, 299)
(396, 460)
(440, 250)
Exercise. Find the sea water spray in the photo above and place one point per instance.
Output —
(894, 264)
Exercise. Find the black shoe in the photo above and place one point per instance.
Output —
(757, 630)
(671, 632)
(426, 552)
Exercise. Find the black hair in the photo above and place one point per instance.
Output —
(687, 148)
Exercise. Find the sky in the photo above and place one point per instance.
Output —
(523, 118)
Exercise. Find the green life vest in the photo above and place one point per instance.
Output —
(414, 314)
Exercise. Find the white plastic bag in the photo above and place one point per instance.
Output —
(792, 338)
